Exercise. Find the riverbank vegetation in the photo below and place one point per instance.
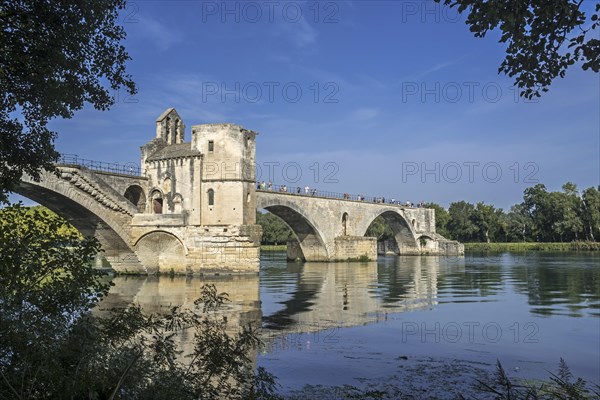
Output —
(532, 246)
(458, 380)
(569, 215)
(54, 347)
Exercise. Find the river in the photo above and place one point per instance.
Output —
(410, 319)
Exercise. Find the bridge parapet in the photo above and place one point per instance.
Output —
(71, 160)
(314, 192)
(94, 185)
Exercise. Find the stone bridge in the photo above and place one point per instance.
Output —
(191, 207)
(103, 205)
(334, 229)
(97, 204)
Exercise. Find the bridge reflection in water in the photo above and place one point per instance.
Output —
(292, 298)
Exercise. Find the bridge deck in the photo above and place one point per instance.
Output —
(313, 192)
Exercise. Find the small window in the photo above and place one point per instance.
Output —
(211, 146)
(211, 197)
(157, 202)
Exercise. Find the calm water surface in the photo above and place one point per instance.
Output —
(346, 323)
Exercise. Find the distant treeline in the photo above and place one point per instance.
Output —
(543, 216)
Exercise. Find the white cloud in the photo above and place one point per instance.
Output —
(157, 33)
(365, 114)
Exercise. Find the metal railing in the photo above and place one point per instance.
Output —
(124, 169)
(314, 192)
(134, 170)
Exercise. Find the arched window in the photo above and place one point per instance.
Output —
(135, 194)
(211, 197)
(345, 224)
(157, 202)
(168, 130)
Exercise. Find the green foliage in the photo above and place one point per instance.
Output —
(362, 258)
(591, 212)
(44, 268)
(275, 231)
(273, 247)
(558, 216)
(544, 216)
(53, 347)
(55, 57)
(543, 38)
(380, 229)
(461, 226)
(532, 246)
(63, 228)
(517, 225)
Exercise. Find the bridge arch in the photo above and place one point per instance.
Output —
(312, 247)
(73, 197)
(161, 251)
(404, 231)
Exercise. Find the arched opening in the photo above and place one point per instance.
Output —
(168, 130)
(161, 252)
(135, 194)
(211, 197)
(394, 235)
(87, 219)
(178, 131)
(345, 224)
(305, 242)
(427, 244)
(157, 202)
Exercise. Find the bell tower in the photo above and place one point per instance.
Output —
(169, 127)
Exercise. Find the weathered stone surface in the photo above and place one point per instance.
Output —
(355, 248)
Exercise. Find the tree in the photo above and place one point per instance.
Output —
(275, 231)
(591, 207)
(543, 38)
(569, 223)
(55, 57)
(461, 226)
(487, 220)
(380, 229)
(53, 347)
(537, 205)
(518, 224)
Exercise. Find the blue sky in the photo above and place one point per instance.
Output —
(388, 98)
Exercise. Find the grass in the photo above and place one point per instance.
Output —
(363, 258)
(533, 246)
(273, 247)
